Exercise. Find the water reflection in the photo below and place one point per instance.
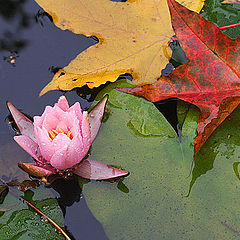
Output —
(11, 39)
(78, 222)
(69, 192)
(225, 143)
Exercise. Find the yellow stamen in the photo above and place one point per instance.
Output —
(55, 131)
(52, 135)
(69, 134)
(60, 130)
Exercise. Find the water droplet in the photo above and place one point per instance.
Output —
(43, 219)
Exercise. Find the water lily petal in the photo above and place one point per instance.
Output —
(92, 169)
(44, 142)
(62, 116)
(76, 127)
(86, 133)
(29, 146)
(50, 122)
(59, 159)
(57, 111)
(76, 110)
(63, 103)
(76, 151)
(60, 141)
(63, 126)
(38, 120)
(24, 124)
(95, 117)
(36, 170)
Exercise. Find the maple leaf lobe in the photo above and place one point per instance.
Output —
(133, 37)
(210, 80)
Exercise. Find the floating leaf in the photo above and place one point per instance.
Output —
(222, 15)
(210, 80)
(25, 224)
(25, 185)
(3, 193)
(143, 117)
(133, 37)
(155, 205)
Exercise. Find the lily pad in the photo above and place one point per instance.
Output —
(222, 15)
(142, 116)
(157, 205)
(22, 222)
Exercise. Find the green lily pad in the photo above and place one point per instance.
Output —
(157, 204)
(222, 15)
(156, 164)
(22, 222)
(143, 117)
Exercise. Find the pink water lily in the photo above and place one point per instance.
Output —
(60, 139)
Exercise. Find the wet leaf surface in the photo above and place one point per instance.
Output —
(23, 223)
(209, 80)
(151, 202)
(143, 118)
(222, 15)
(157, 205)
(131, 39)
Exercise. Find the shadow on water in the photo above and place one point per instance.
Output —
(76, 213)
(169, 107)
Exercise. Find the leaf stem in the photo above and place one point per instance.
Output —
(37, 210)
(221, 28)
(230, 26)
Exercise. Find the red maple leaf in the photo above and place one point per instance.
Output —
(210, 80)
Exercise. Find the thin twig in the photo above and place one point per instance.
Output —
(37, 210)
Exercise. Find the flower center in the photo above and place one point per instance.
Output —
(53, 133)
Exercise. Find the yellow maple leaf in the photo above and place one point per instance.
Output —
(133, 37)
